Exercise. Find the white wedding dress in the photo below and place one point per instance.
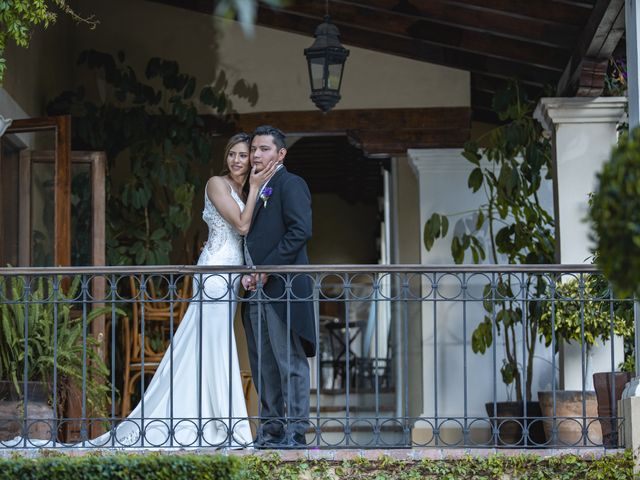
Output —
(200, 396)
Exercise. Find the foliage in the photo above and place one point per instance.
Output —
(615, 81)
(19, 17)
(43, 335)
(615, 216)
(509, 171)
(92, 467)
(586, 300)
(254, 467)
(157, 136)
(629, 364)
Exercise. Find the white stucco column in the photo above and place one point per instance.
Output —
(584, 131)
(632, 27)
(442, 175)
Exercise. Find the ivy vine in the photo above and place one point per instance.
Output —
(154, 138)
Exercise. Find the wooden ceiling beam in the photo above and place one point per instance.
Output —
(392, 44)
(411, 48)
(584, 73)
(550, 11)
(376, 21)
(486, 83)
(375, 131)
(542, 10)
(397, 141)
(341, 121)
(200, 6)
(467, 17)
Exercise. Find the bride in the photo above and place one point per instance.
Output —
(202, 377)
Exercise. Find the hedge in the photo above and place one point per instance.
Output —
(134, 467)
(498, 467)
(254, 467)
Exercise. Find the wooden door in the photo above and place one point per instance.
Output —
(18, 137)
(37, 203)
(86, 239)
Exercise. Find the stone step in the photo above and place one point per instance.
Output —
(364, 399)
(360, 435)
(354, 409)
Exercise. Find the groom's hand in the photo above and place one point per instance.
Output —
(250, 282)
(261, 277)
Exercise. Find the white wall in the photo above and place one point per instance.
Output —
(275, 61)
(442, 175)
(202, 44)
(37, 73)
(272, 59)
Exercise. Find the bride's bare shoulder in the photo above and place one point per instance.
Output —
(215, 183)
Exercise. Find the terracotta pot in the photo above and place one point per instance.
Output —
(570, 419)
(608, 405)
(40, 421)
(510, 422)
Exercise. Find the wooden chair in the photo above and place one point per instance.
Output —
(247, 382)
(158, 311)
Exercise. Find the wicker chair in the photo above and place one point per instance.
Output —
(158, 311)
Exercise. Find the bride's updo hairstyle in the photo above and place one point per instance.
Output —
(233, 141)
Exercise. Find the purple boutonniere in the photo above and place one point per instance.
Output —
(266, 195)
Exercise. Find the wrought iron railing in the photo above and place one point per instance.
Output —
(407, 355)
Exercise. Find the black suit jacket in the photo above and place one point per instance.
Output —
(278, 236)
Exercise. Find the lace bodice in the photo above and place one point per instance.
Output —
(224, 244)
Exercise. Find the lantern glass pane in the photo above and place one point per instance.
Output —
(335, 74)
(316, 66)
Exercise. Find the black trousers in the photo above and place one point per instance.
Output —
(280, 371)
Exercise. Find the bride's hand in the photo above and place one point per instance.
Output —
(257, 179)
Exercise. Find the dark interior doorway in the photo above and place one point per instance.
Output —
(347, 195)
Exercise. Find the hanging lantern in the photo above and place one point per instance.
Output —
(326, 59)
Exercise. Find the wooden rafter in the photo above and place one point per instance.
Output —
(421, 28)
(546, 10)
(375, 131)
(561, 44)
(586, 69)
(469, 17)
(417, 49)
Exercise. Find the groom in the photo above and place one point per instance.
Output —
(280, 334)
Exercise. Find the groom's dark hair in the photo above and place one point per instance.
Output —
(278, 137)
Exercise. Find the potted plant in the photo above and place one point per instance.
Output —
(582, 312)
(516, 158)
(46, 332)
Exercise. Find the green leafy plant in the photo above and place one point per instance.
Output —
(615, 80)
(105, 466)
(56, 465)
(157, 136)
(614, 215)
(582, 309)
(508, 170)
(47, 330)
(19, 17)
